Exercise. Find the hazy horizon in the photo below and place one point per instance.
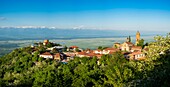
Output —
(149, 15)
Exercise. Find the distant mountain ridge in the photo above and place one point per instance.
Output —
(16, 33)
(46, 33)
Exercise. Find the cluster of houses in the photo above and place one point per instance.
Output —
(129, 50)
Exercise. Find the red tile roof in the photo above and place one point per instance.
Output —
(81, 53)
(88, 54)
(136, 47)
(74, 47)
(91, 54)
(136, 53)
(98, 50)
(89, 51)
(46, 53)
(116, 43)
(115, 49)
(129, 43)
(70, 54)
(146, 49)
(57, 55)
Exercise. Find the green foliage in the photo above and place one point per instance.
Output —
(22, 68)
(129, 39)
(52, 44)
(101, 48)
(64, 49)
(77, 50)
(115, 46)
(141, 43)
(41, 49)
(49, 45)
(55, 50)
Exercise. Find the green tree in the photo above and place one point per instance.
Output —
(141, 43)
(129, 39)
(49, 45)
(77, 50)
(21, 68)
(55, 50)
(155, 71)
(102, 48)
(117, 71)
(64, 49)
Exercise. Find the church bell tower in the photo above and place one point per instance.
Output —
(137, 37)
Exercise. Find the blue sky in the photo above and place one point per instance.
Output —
(89, 14)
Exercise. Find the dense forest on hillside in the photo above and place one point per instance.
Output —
(21, 68)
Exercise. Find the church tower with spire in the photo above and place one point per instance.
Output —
(137, 37)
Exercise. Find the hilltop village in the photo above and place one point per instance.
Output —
(55, 51)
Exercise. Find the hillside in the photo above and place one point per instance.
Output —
(22, 68)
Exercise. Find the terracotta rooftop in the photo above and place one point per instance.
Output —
(89, 51)
(136, 47)
(57, 55)
(135, 53)
(69, 54)
(129, 43)
(74, 47)
(116, 43)
(81, 53)
(91, 54)
(125, 53)
(46, 53)
(112, 49)
(97, 50)
(146, 49)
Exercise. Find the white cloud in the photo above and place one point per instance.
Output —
(79, 27)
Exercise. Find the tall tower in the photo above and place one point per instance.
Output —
(137, 37)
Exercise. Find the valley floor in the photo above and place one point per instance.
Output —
(7, 46)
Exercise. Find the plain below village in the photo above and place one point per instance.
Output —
(61, 53)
